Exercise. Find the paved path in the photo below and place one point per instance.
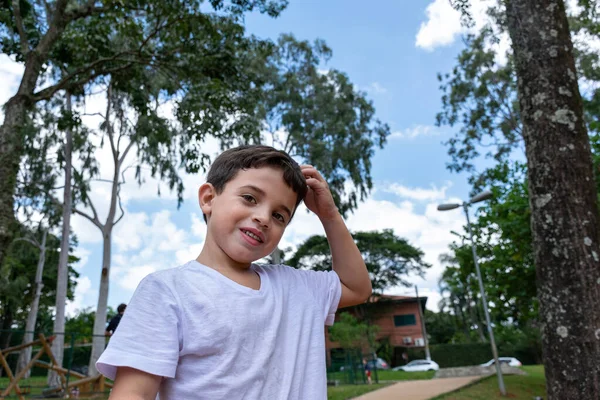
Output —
(418, 390)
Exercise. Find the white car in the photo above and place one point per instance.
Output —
(510, 361)
(418, 365)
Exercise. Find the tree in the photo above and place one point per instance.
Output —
(72, 44)
(352, 334)
(561, 188)
(460, 283)
(223, 85)
(327, 122)
(563, 196)
(17, 281)
(440, 327)
(389, 258)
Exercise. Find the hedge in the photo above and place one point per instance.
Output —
(460, 355)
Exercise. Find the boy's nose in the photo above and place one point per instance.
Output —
(262, 218)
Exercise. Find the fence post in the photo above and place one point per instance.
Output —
(375, 369)
(70, 363)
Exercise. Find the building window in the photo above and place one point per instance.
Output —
(404, 320)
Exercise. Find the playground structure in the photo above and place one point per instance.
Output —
(83, 384)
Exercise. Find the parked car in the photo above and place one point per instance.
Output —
(379, 363)
(511, 361)
(418, 365)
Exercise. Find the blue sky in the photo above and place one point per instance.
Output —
(392, 50)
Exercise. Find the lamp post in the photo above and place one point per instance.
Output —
(451, 206)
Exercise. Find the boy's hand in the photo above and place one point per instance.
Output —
(318, 198)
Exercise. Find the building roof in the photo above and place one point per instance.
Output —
(393, 299)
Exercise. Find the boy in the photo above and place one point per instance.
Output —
(221, 327)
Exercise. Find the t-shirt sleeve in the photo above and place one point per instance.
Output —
(327, 288)
(148, 338)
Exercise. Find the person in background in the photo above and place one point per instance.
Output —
(114, 321)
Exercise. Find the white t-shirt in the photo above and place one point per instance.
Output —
(211, 338)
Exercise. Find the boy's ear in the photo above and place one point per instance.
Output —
(206, 195)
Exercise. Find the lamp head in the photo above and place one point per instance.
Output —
(447, 206)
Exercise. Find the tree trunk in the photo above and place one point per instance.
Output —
(99, 340)
(11, 149)
(25, 354)
(7, 320)
(562, 197)
(63, 265)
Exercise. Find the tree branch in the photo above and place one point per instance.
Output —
(120, 204)
(109, 127)
(47, 93)
(91, 204)
(84, 11)
(94, 220)
(28, 240)
(20, 28)
(129, 146)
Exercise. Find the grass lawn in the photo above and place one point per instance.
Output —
(385, 375)
(518, 387)
(344, 392)
(389, 375)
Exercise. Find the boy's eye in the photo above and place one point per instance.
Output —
(279, 217)
(249, 198)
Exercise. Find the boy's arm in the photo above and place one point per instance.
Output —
(347, 262)
(346, 258)
(133, 384)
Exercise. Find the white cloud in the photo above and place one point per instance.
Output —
(415, 131)
(198, 226)
(10, 71)
(84, 255)
(376, 88)
(84, 296)
(127, 235)
(443, 26)
(419, 194)
(134, 275)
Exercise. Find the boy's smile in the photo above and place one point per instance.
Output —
(248, 218)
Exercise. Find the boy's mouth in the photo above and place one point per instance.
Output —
(254, 235)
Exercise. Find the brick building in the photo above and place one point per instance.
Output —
(397, 317)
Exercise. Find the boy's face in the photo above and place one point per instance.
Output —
(247, 219)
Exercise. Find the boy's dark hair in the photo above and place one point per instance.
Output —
(227, 164)
(121, 307)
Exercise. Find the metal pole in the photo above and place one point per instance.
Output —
(485, 306)
(427, 354)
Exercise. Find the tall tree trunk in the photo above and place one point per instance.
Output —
(11, 149)
(99, 341)
(7, 320)
(5, 329)
(562, 197)
(15, 113)
(63, 265)
(25, 354)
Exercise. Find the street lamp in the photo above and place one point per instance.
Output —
(451, 206)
